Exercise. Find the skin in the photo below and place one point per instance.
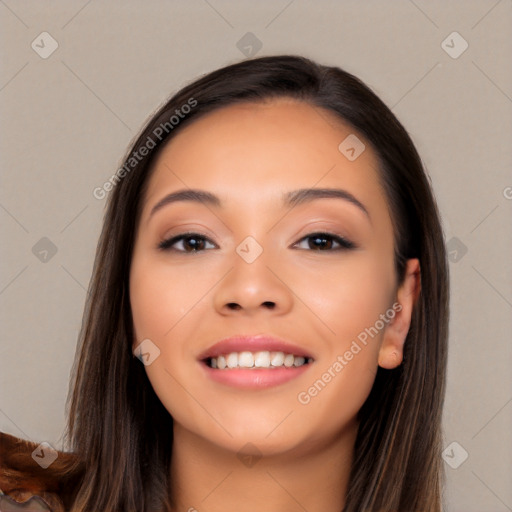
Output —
(323, 298)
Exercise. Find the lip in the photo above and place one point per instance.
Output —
(259, 378)
(255, 378)
(258, 343)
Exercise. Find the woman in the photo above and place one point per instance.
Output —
(272, 255)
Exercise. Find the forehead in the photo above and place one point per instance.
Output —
(248, 152)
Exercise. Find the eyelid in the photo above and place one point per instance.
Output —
(167, 243)
(343, 242)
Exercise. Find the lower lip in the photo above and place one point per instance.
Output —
(255, 379)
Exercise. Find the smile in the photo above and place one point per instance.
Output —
(255, 360)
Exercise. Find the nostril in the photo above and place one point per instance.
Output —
(235, 306)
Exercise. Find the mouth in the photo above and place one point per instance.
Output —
(254, 362)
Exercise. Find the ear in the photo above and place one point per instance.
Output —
(391, 349)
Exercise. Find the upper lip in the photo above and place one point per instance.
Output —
(253, 343)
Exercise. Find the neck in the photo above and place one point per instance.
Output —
(208, 477)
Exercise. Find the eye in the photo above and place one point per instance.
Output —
(194, 241)
(324, 242)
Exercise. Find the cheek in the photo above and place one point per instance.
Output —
(348, 297)
(350, 303)
(160, 299)
(161, 296)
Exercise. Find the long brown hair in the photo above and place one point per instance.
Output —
(117, 426)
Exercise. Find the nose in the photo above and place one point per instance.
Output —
(254, 288)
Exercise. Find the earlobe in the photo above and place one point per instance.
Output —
(395, 334)
(390, 358)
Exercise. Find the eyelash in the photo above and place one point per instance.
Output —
(345, 244)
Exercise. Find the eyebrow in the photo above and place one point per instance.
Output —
(290, 199)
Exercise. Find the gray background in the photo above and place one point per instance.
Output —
(68, 119)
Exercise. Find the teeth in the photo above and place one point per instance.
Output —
(276, 358)
(232, 360)
(245, 360)
(262, 359)
(288, 360)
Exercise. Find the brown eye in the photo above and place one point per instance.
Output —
(327, 242)
(191, 242)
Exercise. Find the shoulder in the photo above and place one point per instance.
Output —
(23, 479)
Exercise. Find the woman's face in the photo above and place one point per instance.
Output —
(259, 265)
